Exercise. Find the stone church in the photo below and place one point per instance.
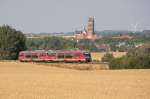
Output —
(88, 32)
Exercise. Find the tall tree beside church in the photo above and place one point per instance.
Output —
(11, 42)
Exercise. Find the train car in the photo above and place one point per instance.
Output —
(55, 56)
(77, 56)
(39, 55)
(70, 56)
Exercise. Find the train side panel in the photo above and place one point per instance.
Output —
(55, 56)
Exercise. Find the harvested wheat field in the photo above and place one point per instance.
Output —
(31, 81)
(99, 55)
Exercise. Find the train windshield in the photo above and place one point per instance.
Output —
(87, 54)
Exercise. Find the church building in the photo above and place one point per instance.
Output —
(88, 32)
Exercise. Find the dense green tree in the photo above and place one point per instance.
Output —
(11, 42)
(86, 44)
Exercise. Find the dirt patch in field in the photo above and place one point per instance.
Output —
(32, 81)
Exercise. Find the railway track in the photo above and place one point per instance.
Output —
(71, 62)
(75, 66)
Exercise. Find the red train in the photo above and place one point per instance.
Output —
(55, 56)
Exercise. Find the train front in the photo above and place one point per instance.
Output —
(87, 56)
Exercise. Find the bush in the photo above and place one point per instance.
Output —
(137, 59)
(115, 63)
(107, 57)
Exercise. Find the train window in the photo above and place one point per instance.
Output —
(21, 54)
(60, 55)
(40, 54)
(77, 54)
(68, 55)
(34, 56)
(43, 54)
(51, 54)
(28, 56)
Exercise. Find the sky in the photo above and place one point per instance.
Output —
(69, 15)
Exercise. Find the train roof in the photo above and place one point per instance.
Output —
(34, 51)
(70, 51)
(57, 51)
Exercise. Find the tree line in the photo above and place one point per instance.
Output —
(59, 43)
(13, 41)
(49, 43)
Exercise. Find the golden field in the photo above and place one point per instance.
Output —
(99, 55)
(79, 66)
(32, 81)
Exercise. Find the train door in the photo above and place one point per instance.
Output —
(52, 56)
(21, 56)
(60, 56)
(34, 57)
(27, 56)
(69, 57)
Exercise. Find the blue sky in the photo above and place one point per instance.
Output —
(70, 15)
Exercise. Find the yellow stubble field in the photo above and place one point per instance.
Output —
(32, 81)
(99, 55)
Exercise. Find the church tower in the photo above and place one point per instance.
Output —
(88, 32)
(90, 28)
